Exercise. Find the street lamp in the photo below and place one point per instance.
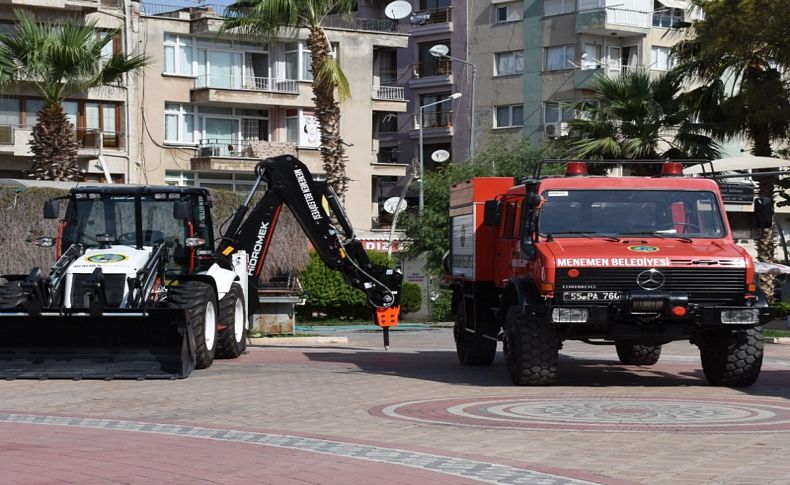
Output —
(441, 51)
(422, 164)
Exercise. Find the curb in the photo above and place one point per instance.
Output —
(297, 340)
(778, 340)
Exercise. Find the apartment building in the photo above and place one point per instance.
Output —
(212, 104)
(100, 116)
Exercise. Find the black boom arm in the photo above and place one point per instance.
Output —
(289, 182)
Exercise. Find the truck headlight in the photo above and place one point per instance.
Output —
(748, 316)
(570, 315)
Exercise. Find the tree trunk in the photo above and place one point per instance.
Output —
(761, 147)
(328, 115)
(54, 146)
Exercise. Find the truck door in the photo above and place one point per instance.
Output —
(507, 248)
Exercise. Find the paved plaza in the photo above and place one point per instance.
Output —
(356, 414)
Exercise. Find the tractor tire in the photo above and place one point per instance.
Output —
(531, 350)
(232, 336)
(12, 295)
(732, 358)
(632, 354)
(200, 301)
(471, 348)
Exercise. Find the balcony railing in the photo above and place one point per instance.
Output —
(247, 83)
(224, 148)
(88, 138)
(389, 93)
(376, 25)
(434, 119)
(427, 69)
(432, 16)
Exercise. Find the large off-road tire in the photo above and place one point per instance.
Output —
(200, 301)
(631, 354)
(732, 357)
(471, 348)
(12, 295)
(232, 336)
(531, 350)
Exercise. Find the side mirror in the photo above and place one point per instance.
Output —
(764, 212)
(528, 249)
(533, 200)
(43, 242)
(51, 209)
(491, 213)
(182, 210)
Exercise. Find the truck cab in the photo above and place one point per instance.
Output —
(632, 262)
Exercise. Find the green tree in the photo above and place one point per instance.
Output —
(266, 19)
(740, 69)
(637, 116)
(58, 60)
(429, 234)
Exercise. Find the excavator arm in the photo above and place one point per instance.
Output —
(318, 211)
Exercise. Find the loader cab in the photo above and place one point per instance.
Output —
(142, 217)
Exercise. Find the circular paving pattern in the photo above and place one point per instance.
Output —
(584, 413)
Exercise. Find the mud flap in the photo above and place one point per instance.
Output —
(157, 344)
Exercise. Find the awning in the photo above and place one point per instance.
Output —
(681, 4)
(770, 268)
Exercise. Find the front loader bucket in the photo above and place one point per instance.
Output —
(120, 344)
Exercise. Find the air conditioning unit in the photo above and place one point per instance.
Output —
(555, 130)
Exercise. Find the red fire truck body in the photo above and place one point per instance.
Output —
(631, 261)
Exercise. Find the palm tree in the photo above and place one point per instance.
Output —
(265, 19)
(58, 60)
(636, 116)
(741, 74)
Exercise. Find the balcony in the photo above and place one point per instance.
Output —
(437, 124)
(389, 98)
(15, 139)
(431, 74)
(601, 17)
(373, 25)
(585, 78)
(431, 21)
(224, 154)
(249, 90)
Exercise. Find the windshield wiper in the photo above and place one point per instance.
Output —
(659, 234)
(587, 234)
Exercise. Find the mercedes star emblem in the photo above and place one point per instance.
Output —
(651, 279)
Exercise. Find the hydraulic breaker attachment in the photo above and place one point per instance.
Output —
(120, 344)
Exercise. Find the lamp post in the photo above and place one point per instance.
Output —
(422, 163)
(441, 51)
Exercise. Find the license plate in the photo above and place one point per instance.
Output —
(592, 296)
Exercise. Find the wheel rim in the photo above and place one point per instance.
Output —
(238, 320)
(210, 327)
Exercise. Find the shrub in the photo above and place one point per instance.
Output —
(410, 298)
(327, 293)
(441, 308)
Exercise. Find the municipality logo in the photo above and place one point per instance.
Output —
(106, 258)
(642, 248)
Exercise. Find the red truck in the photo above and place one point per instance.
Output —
(633, 262)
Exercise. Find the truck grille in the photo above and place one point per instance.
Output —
(703, 285)
(113, 288)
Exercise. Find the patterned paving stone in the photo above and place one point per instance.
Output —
(598, 414)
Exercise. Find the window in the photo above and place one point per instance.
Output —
(32, 107)
(178, 54)
(292, 125)
(556, 112)
(560, 57)
(432, 4)
(510, 12)
(557, 7)
(388, 122)
(591, 59)
(509, 116)
(9, 118)
(666, 17)
(438, 115)
(430, 65)
(661, 58)
(179, 123)
(237, 182)
(508, 63)
(298, 61)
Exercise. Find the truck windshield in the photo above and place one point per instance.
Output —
(116, 215)
(661, 213)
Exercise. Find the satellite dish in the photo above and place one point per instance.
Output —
(395, 204)
(440, 156)
(397, 10)
(439, 50)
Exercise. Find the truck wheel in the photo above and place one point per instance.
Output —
(200, 301)
(531, 350)
(232, 339)
(471, 348)
(630, 354)
(732, 357)
(12, 295)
